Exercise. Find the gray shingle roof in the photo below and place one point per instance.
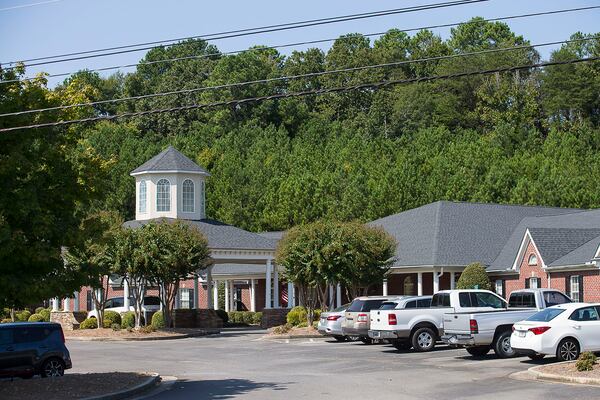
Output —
(455, 233)
(554, 243)
(170, 160)
(219, 234)
(275, 235)
(238, 269)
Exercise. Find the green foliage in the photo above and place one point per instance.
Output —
(22, 315)
(110, 318)
(38, 309)
(158, 320)
(586, 361)
(296, 316)
(128, 319)
(89, 323)
(223, 315)
(257, 318)
(116, 327)
(474, 276)
(45, 313)
(36, 318)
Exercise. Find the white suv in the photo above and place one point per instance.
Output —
(150, 305)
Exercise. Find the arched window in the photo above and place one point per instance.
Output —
(142, 198)
(532, 260)
(188, 196)
(163, 196)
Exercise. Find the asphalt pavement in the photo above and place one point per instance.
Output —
(241, 364)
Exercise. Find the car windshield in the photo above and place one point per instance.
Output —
(388, 305)
(546, 315)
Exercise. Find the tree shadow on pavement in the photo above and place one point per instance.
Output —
(218, 389)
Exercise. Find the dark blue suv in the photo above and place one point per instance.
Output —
(30, 348)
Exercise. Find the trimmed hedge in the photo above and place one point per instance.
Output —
(37, 310)
(474, 276)
(128, 319)
(110, 318)
(586, 361)
(158, 321)
(45, 313)
(89, 323)
(36, 318)
(296, 316)
(245, 317)
(23, 315)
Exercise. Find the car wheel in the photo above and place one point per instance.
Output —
(423, 339)
(340, 338)
(401, 345)
(567, 350)
(536, 357)
(366, 340)
(478, 351)
(53, 367)
(502, 346)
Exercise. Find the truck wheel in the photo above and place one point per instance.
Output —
(502, 345)
(423, 339)
(478, 351)
(366, 340)
(401, 345)
(340, 338)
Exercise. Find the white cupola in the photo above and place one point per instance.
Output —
(170, 185)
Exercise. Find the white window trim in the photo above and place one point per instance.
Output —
(533, 257)
(499, 285)
(183, 196)
(145, 202)
(574, 283)
(158, 192)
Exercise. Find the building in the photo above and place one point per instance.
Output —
(521, 246)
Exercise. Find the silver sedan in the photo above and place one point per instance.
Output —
(330, 324)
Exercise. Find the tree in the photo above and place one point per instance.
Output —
(172, 252)
(474, 277)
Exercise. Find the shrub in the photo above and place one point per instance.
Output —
(223, 315)
(116, 327)
(302, 325)
(317, 314)
(586, 361)
(296, 316)
(89, 323)
(110, 318)
(234, 317)
(128, 319)
(282, 329)
(257, 318)
(23, 315)
(248, 317)
(37, 310)
(158, 321)
(36, 318)
(474, 275)
(45, 313)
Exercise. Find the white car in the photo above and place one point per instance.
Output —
(564, 330)
(151, 304)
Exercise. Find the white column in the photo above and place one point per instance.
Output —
(420, 283)
(125, 294)
(385, 287)
(216, 295)
(268, 284)
(452, 280)
(331, 298)
(76, 301)
(197, 295)
(291, 295)
(338, 295)
(227, 305)
(232, 304)
(252, 294)
(55, 303)
(209, 290)
(436, 282)
(275, 287)
(67, 304)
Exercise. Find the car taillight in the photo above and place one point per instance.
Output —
(513, 328)
(392, 319)
(333, 317)
(362, 318)
(473, 326)
(538, 330)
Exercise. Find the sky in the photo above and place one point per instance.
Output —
(37, 28)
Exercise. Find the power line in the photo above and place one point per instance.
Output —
(303, 43)
(373, 86)
(29, 5)
(243, 32)
(290, 77)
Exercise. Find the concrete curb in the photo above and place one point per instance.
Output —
(294, 337)
(152, 381)
(142, 339)
(561, 378)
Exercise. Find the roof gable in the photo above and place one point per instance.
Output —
(170, 160)
(555, 243)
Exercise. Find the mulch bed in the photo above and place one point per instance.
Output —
(124, 334)
(295, 332)
(69, 386)
(568, 369)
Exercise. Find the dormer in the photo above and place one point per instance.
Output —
(170, 185)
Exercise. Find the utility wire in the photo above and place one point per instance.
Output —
(372, 86)
(304, 43)
(244, 32)
(290, 77)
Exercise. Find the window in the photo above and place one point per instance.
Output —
(499, 287)
(151, 301)
(388, 305)
(142, 198)
(411, 304)
(440, 300)
(186, 298)
(28, 335)
(88, 303)
(546, 315)
(163, 196)
(532, 260)
(364, 305)
(202, 199)
(424, 303)
(6, 336)
(533, 283)
(483, 299)
(188, 196)
(574, 286)
(585, 314)
(554, 298)
(522, 300)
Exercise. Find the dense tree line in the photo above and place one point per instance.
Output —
(530, 137)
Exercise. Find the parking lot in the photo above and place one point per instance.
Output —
(239, 364)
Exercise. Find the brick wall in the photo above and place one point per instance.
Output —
(526, 271)
(591, 283)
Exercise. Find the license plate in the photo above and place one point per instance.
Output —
(376, 334)
(521, 333)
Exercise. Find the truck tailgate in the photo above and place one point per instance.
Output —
(458, 323)
(379, 319)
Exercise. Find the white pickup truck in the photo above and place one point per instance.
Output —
(420, 328)
(481, 331)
